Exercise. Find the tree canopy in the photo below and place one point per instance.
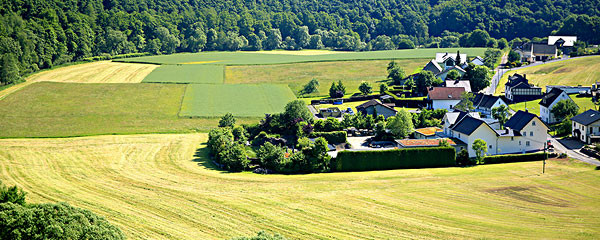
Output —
(44, 33)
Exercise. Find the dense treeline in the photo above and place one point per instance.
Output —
(37, 34)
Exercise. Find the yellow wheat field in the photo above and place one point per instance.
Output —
(161, 187)
(97, 72)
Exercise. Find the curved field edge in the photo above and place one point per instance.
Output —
(164, 186)
(259, 58)
(572, 72)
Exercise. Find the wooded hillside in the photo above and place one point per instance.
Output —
(37, 34)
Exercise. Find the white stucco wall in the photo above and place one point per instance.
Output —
(444, 104)
(546, 114)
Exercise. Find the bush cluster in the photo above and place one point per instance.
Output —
(336, 137)
(394, 159)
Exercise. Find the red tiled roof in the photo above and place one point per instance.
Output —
(446, 93)
(423, 142)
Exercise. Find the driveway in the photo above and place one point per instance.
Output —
(572, 147)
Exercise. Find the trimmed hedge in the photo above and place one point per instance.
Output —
(335, 137)
(508, 158)
(394, 159)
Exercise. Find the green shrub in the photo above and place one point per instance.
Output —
(336, 137)
(53, 221)
(395, 159)
(508, 158)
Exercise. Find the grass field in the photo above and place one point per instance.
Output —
(47, 109)
(161, 187)
(584, 103)
(259, 58)
(187, 73)
(296, 75)
(579, 71)
(242, 100)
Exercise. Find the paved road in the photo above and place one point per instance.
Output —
(572, 147)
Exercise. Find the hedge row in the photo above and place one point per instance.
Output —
(109, 57)
(394, 159)
(335, 137)
(508, 158)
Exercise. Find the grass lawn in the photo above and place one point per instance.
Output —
(242, 100)
(47, 109)
(161, 187)
(187, 73)
(584, 104)
(296, 75)
(572, 72)
(259, 58)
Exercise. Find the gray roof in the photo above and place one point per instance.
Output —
(433, 67)
(516, 79)
(588, 117)
(484, 100)
(519, 120)
(373, 103)
(550, 97)
(467, 125)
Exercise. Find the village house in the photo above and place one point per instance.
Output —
(548, 101)
(459, 83)
(433, 67)
(478, 61)
(444, 97)
(523, 132)
(442, 75)
(562, 41)
(448, 60)
(375, 107)
(484, 103)
(518, 89)
(586, 126)
(532, 52)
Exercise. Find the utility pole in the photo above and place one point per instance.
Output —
(545, 156)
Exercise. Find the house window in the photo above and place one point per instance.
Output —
(527, 143)
(459, 135)
(490, 146)
(533, 123)
(531, 133)
(519, 143)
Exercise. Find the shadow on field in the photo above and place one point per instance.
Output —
(203, 159)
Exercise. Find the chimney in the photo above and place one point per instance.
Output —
(525, 76)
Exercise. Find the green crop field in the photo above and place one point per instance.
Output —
(584, 104)
(186, 73)
(48, 109)
(578, 71)
(278, 57)
(242, 100)
(163, 187)
(296, 75)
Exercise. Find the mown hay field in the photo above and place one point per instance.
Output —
(583, 71)
(49, 109)
(186, 73)
(259, 58)
(96, 72)
(164, 187)
(242, 100)
(296, 75)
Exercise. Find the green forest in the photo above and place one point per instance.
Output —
(39, 34)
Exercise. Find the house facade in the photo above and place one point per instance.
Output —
(518, 89)
(444, 97)
(549, 101)
(523, 132)
(484, 104)
(375, 107)
(532, 52)
(586, 126)
(443, 74)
